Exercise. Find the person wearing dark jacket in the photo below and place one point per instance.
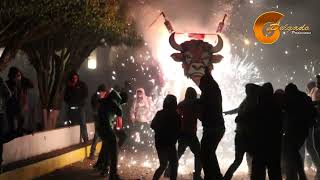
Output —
(166, 125)
(312, 142)
(247, 113)
(4, 95)
(75, 97)
(99, 95)
(189, 109)
(17, 104)
(267, 144)
(300, 117)
(108, 110)
(213, 125)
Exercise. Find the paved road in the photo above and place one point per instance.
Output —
(131, 167)
(84, 171)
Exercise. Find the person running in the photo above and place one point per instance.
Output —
(166, 125)
(247, 113)
(189, 109)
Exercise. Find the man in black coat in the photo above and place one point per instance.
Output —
(213, 125)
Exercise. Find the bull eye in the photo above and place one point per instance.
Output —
(206, 62)
(188, 58)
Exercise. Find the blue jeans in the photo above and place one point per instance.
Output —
(77, 116)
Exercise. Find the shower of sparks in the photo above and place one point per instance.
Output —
(238, 67)
(232, 73)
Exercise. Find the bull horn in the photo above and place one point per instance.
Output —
(173, 43)
(219, 45)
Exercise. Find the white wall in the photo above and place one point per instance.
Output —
(43, 142)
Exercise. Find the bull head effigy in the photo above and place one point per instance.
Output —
(195, 56)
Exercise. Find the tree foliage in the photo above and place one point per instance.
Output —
(25, 21)
(58, 35)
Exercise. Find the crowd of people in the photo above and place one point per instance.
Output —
(273, 128)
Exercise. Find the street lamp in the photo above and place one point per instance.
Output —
(92, 60)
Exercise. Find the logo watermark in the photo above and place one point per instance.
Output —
(267, 28)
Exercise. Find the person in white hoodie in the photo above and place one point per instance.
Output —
(140, 116)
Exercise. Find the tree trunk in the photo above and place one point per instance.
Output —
(50, 117)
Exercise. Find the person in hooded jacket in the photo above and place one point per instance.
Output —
(312, 144)
(247, 114)
(300, 117)
(140, 116)
(213, 125)
(266, 153)
(189, 109)
(166, 125)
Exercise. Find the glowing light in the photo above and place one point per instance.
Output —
(92, 63)
(92, 60)
(286, 52)
(246, 41)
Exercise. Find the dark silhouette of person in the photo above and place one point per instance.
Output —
(313, 90)
(4, 95)
(100, 94)
(189, 109)
(17, 104)
(267, 146)
(312, 141)
(75, 97)
(166, 125)
(109, 108)
(247, 113)
(213, 125)
(300, 117)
